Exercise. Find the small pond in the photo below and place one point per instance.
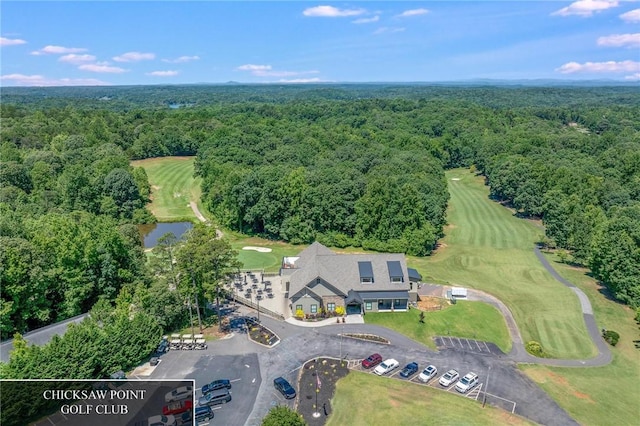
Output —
(151, 233)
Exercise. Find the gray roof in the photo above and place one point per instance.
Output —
(342, 272)
(368, 295)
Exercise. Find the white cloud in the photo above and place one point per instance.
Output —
(11, 41)
(620, 40)
(58, 50)
(413, 12)
(366, 20)
(252, 67)
(595, 67)
(72, 58)
(633, 77)
(586, 7)
(38, 80)
(267, 71)
(134, 57)
(388, 30)
(101, 67)
(631, 16)
(301, 80)
(182, 59)
(331, 12)
(163, 73)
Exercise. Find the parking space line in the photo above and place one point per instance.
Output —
(469, 343)
(478, 345)
(485, 345)
(460, 341)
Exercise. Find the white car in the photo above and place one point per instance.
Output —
(386, 366)
(449, 378)
(428, 373)
(468, 382)
(162, 421)
(178, 394)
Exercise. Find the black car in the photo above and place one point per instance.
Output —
(284, 388)
(215, 385)
(203, 413)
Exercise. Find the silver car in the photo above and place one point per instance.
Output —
(449, 378)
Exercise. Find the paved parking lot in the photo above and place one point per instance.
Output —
(470, 345)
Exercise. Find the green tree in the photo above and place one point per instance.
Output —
(283, 416)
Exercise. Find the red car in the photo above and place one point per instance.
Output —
(372, 361)
(177, 407)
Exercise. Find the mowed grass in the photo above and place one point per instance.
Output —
(456, 320)
(366, 399)
(487, 248)
(608, 395)
(172, 187)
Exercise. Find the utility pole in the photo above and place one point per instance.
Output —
(195, 292)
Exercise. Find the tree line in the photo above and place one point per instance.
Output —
(348, 165)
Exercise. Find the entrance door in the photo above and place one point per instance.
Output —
(354, 308)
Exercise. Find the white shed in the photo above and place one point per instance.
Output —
(459, 292)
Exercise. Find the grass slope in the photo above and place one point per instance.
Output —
(172, 187)
(607, 395)
(447, 321)
(366, 399)
(487, 248)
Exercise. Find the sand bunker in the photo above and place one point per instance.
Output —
(260, 249)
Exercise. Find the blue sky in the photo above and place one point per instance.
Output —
(177, 42)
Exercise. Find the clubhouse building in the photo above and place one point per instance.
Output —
(318, 278)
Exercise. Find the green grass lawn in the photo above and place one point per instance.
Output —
(607, 395)
(459, 320)
(366, 399)
(172, 187)
(488, 248)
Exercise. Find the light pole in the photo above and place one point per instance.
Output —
(486, 388)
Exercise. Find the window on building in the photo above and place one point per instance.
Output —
(314, 309)
(318, 281)
(366, 280)
(298, 307)
(331, 307)
(367, 306)
(396, 279)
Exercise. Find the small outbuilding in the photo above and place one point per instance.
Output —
(458, 293)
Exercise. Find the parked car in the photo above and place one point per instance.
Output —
(284, 388)
(177, 394)
(428, 373)
(449, 378)
(177, 407)
(215, 385)
(468, 382)
(409, 370)
(163, 346)
(154, 361)
(372, 361)
(386, 367)
(162, 421)
(203, 413)
(220, 396)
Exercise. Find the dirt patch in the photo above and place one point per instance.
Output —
(583, 396)
(427, 303)
(318, 378)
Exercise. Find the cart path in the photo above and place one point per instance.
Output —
(201, 218)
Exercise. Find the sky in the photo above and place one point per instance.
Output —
(64, 43)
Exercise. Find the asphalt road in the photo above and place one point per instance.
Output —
(253, 367)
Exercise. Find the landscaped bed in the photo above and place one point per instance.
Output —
(319, 374)
(261, 334)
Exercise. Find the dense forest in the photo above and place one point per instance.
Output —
(359, 165)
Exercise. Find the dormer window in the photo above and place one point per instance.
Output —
(366, 272)
(395, 271)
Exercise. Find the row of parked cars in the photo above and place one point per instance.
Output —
(178, 409)
(462, 385)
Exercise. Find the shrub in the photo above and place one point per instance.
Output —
(340, 310)
(299, 313)
(535, 349)
(611, 337)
